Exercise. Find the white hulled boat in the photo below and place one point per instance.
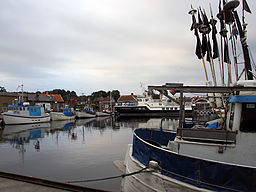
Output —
(21, 114)
(146, 106)
(67, 114)
(85, 114)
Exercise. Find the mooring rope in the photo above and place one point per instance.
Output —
(113, 177)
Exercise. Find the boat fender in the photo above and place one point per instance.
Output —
(154, 166)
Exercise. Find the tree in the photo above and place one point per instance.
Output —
(2, 89)
(115, 94)
(99, 94)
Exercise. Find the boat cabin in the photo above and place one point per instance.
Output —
(33, 110)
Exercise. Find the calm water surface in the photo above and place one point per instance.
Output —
(71, 150)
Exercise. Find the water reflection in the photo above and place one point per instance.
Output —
(70, 150)
(156, 123)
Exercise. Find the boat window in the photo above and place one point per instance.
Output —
(162, 108)
(34, 109)
(171, 108)
(146, 99)
(175, 108)
(31, 110)
(248, 117)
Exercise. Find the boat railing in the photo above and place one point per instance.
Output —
(207, 135)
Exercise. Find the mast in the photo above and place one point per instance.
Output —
(247, 61)
(230, 6)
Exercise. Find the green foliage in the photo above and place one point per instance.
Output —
(99, 94)
(115, 94)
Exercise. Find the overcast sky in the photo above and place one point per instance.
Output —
(92, 45)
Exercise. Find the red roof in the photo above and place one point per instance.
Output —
(57, 97)
(127, 98)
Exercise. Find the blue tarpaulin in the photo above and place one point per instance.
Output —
(214, 125)
(67, 112)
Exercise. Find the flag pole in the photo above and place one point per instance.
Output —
(233, 52)
(226, 48)
(209, 54)
(214, 31)
(192, 12)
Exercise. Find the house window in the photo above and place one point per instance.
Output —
(5, 107)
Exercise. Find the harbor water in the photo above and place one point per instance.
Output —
(72, 150)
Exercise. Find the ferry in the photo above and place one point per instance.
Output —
(146, 106)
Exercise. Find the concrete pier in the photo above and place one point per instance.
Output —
(11, 182)
(10, 185)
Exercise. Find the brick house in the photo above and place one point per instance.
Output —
(7, 99)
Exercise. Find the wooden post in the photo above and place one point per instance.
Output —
(181, 114)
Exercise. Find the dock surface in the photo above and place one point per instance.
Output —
(10, 185)
(11, 182)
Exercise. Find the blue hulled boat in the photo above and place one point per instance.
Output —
(216, 156)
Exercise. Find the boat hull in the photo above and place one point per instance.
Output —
(189, 171)
(84, 115)
(102, 114)
(56, 116)
(16, 119)
(150, 181)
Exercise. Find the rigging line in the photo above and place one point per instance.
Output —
(113, 177)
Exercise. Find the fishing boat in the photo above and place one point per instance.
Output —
(146, 106)
(214, 156)
(23, 114)
(86, 113)
(67, 114)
